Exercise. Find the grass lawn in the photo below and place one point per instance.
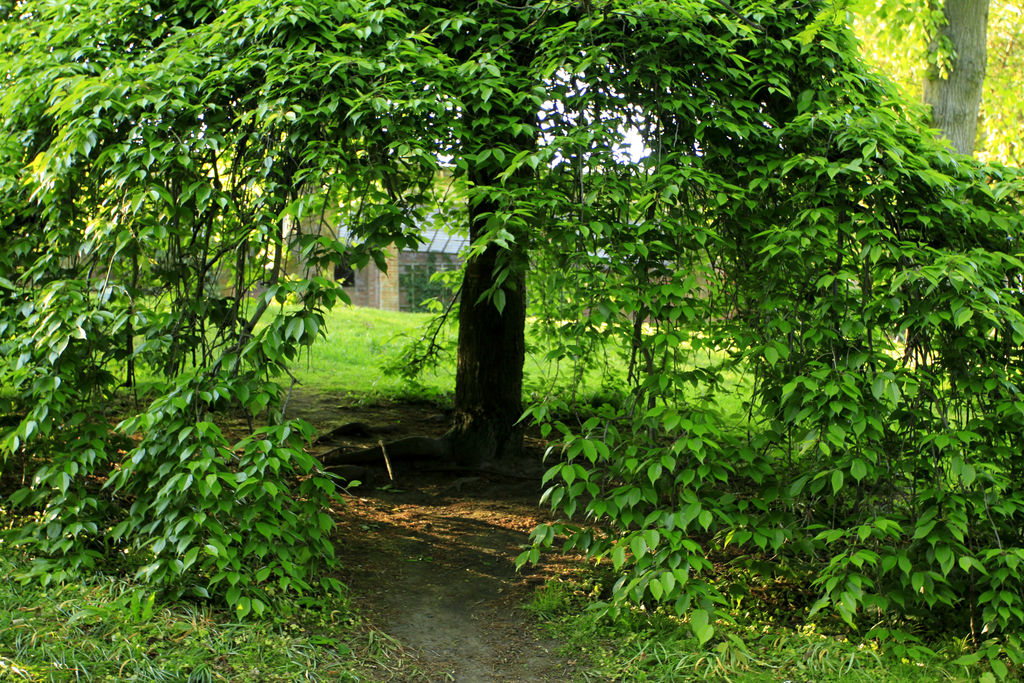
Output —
(360, 343)
(364, 347)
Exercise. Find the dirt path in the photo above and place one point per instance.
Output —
(436, 571)
(430, 561)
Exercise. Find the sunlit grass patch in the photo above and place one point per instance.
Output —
(359, 343)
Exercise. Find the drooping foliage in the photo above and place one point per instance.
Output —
(820, 309)
(817, 306)
(162, 164)
(176, 176)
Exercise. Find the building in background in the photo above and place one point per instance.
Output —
(441, 251)
(407, 283)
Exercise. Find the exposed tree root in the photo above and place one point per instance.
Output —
(434, 454)
(410, 449)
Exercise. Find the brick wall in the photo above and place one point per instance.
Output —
(390, 295)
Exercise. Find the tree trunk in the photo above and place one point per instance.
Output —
(492, 348)
(956, 97)
(499, 123)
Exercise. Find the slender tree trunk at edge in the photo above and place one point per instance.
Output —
(955, 100)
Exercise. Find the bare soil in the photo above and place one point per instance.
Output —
(429, 556)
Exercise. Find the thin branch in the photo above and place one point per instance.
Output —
(432, 346)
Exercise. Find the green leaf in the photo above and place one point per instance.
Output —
(618, 556)
(837, 481)
(878, 387)
(190, 556)
(798, 486)
(668, 582)
(639, 546)
(969, 659)
(961, 316)
(944, 556)
(923, 529)
(701, 626)
(705, 518)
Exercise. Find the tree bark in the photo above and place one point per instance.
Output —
(955, 98)
(492, 348)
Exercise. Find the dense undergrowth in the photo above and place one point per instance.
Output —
(865, 279)
(756, 642)
(101, 627)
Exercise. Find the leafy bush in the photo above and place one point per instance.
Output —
(809, 236)
(784, 231)
(146, 217)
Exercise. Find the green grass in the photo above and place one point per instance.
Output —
(106, 629)
(363, 352)
(360, 343)
(652, 647)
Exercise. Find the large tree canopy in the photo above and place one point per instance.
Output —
(781, 233)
